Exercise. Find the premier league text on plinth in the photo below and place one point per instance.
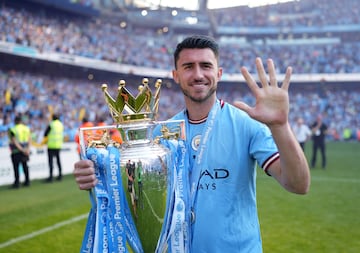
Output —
(140, 201)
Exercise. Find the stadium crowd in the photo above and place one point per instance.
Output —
(306, 13)
(37, 96)
(99, 39)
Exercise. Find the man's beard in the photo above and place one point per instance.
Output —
(202, 99)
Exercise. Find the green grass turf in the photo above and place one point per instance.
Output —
(324, 220)
(26, 210)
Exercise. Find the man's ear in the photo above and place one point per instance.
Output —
(175, 76)
(220, 72)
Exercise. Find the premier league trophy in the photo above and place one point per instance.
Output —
(140, 201)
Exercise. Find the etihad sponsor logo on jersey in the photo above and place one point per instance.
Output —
(209, 178)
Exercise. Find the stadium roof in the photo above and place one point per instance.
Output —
(211, 4)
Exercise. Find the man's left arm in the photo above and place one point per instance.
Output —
(291, 170)
(272, 108)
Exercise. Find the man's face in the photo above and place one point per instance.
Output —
(197, 74)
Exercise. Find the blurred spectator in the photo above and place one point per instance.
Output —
(54, 138)
(302, 132)
(319, 130)
(87, 134)
(19, 137)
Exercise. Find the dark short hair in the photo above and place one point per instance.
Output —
(196, 41)
(55, 116)
(18, 119)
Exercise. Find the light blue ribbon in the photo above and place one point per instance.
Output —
(101, 243)
(125, 229)
(116, 204)
(110, 225)
(89, 236)
(201, 153)
(175, 232)
(94, 234)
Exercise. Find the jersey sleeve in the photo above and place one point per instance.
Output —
(263, 147)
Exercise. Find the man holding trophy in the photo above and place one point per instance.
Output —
(224, 143)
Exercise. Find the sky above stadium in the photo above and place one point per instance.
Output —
(213, 4)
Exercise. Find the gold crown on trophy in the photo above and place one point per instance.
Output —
(127, 108)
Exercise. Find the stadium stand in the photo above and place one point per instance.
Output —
(54, 59)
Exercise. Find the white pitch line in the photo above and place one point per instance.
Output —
(159, 219)
(42, 231)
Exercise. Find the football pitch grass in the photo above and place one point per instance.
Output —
(51, 218)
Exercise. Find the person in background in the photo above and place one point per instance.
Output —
(87, 134)
(302, 132)
(54, 138)
(130, 172)
(347, 134)
(238, 138)
(139, 172)
(319, 130)
(114, 133)
(100, 122)
(19, 144)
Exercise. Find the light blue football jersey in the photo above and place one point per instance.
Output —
(226, 218)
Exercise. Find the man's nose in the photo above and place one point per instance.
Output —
(198, 72)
